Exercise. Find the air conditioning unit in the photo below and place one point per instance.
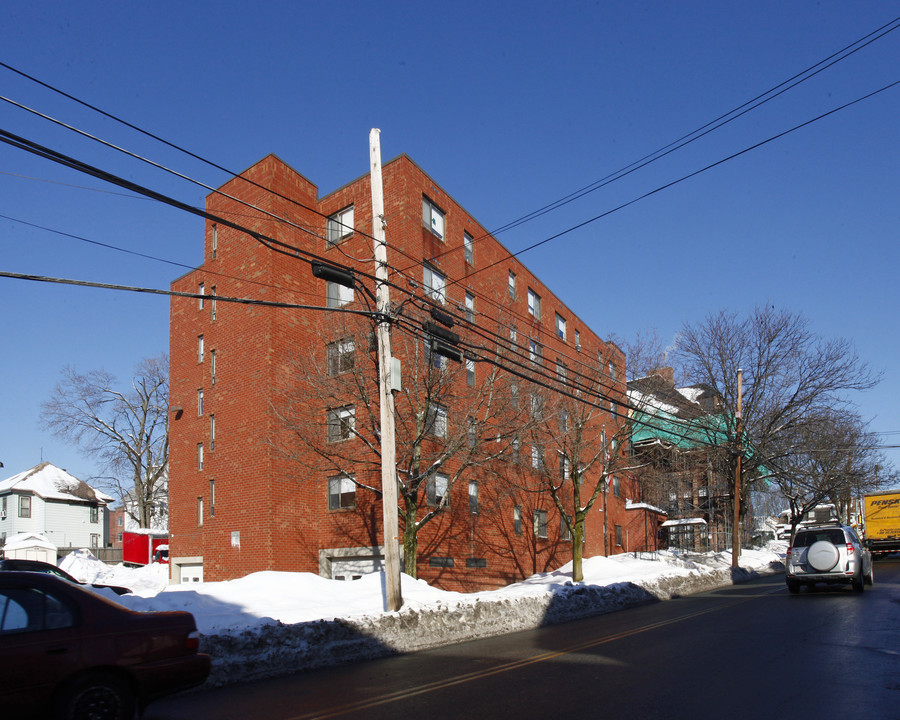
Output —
(2, 514)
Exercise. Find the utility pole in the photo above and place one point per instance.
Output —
(739, 429)
(393, 596)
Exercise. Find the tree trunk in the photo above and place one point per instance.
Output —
(578, 548)
(410, 536)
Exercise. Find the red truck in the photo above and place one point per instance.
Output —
(142, 547)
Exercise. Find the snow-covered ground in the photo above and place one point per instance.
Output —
(270, 623)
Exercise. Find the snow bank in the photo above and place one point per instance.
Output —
(272, 623)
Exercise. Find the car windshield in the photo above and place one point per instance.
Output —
(806, 538)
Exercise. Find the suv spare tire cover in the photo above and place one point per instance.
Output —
(822, 555)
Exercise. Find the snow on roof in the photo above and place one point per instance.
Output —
(53, 483)
(686, 521)
(691, 393)
(27, 540)
(631, 505)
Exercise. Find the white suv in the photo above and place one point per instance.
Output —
(828, 553)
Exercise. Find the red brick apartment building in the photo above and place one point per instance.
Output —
(273, 446)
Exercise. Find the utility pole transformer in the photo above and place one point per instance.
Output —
(393, 596)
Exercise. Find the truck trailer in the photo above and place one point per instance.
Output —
(882, 521)
(144, 547)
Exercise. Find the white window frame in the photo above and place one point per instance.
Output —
(473, 497)
(434, 283)
(341, 423)
(535, 352)
(469, 248)
(560, 327)
(511, 288)
(24, 506)
(201, 291)
(341, 492)
(534, 304)
(201, 353)
(199, 456)
(470, 372)
(437, 487)
(339, 226)
(199, 402)
(337, 295)
(540, 524)
(436, 421)
(470, 307)
(433, 218)
(212, 432)
(341, 356)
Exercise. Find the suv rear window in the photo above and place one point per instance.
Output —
(806, 538)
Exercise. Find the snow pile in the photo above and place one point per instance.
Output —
(270, 623)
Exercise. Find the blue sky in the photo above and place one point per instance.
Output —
(509, 106)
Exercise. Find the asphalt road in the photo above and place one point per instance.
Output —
(749, 651)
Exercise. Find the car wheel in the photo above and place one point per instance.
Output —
(97, 696)
(859, 584)
(822, 556)
(870, 578)
(793, 587)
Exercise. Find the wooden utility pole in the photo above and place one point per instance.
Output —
(393, 596)
(739, 430)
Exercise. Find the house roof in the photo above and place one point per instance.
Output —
(52, 483)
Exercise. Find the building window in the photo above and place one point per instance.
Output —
(517, 520)
(513, 335)
(470, 372)
(212, 432)
(212, 498)
(471, 432)
(436, 488)
(433, 218)
(565, 534)
(200, 351)
(435, 284)
(212, 367)
(339, 226)
(24, 506)
(199, 456)
(536, 459)
(340, 356)
(577, 340)
(474, 562)
(341, 492)
(618, 534)
(470, 307)
(201, 291)
(540, 523)
(440, 562)
(95, 514)
(337, 295)
(616, 486)
(473, 497)
(119, 521)
(512, 285)
(95, 540)
(432, 358)
(534, 304)
(199, 402)
(535, 351)
(215, 241)
(561, 371)
(341, 422)
(469, 248)
(436, 421)
(200, 510)
(212, 304)
(560, 327)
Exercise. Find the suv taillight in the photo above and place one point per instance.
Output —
(788, 556)
(192, 642)
(849, 548)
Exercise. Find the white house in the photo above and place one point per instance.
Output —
(47, 500)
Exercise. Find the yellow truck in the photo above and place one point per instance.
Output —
(882, 521)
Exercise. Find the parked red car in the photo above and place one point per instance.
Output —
(66, 652)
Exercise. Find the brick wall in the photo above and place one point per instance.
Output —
(263, 510)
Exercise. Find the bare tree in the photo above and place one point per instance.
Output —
(645, 352)
(790, 375)
(578, 446)
(451, 418)
(831, 457)
(124, 428)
